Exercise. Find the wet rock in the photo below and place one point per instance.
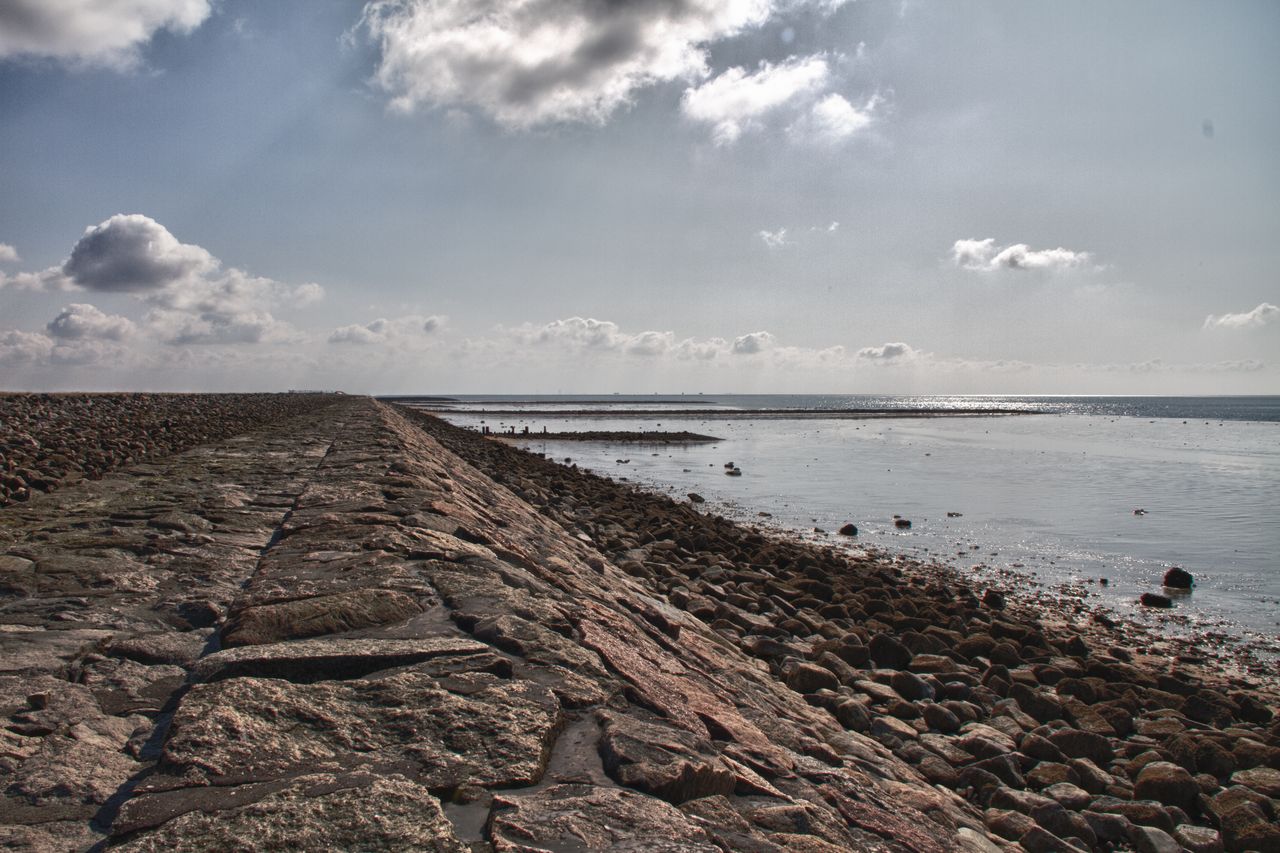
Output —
(1177, 578)
(696, 498)
(668, 763)
(849, 530)
(1155, 599)
(587, 817)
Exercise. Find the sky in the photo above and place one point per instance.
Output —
(589, 196)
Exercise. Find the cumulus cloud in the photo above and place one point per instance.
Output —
(986, 256)
(889, 353)
(1260, 316)
(80, 321)
(18, 347)
(8, 254)
(833, 120)
(775, 239)
(402, 330)
(194, 299)
(735, 100)
(525, 63)
(750, 344)
(104, 33)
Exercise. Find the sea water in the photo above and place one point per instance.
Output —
(1044, 502)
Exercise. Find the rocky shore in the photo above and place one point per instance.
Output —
(50, 440)
(655, 437)
(362, 628)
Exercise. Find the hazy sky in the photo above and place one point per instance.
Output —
(655, 195)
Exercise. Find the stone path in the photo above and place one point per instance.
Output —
(333, 633)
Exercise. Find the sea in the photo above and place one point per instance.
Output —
(1090, 499)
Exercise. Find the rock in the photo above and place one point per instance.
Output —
(1155, 599)
(941, 719)
(1070, 796)
(1167, 783)
(902, 523)
(586, 817)
(325, 614)
(1007, 823)
(313, 812)
(1247, 827)
(1079, 744)
(911, 686)
(808, 678)
(1039, 840)
(492, 732)
(696, 498)
(303, 661)
(1049, 773)
(668, 763)
(1108, 828)
(1148, 839)
(1264, 780)
(993, 599)
(1177, 578)
(1063, 823)
(1198, 839)
(888, 652)
(849, 530)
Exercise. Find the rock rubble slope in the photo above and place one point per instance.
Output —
(362, 629)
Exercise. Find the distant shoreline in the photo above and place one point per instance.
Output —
(615, 436)
(736, 414)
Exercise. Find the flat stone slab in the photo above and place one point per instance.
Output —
(587, 817)
(354, 811)
(328, 659)
(472, 727)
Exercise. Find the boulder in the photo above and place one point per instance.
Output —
(1155, 599)
(1167, 783)
(1177, 578)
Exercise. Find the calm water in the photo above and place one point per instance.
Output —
(1050, 497)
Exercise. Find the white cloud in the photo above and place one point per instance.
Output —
(525, 63)
(1260, 316)
(24, 347)
(833, 120)
(775, 239)
(194, 299)
(752, 343)
(8, 254)
(986, 256)
(400, 331)
(735, 101)
(92, 32)
(890, 353)
(79, 321)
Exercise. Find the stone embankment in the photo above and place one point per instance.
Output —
(50, 440)
(360, 628)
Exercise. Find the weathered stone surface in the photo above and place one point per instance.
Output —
(329, 659)
(587, 817)
(659, 760)
(323, 614)
(354, 811)
(490, 732)
(1167, 783)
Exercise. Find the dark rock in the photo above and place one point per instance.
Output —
(1167, 783)
(1080, 744)
(1148, 839)
(849, 530)
(993, 599)
(902, 523)
(1155, 599)
(808, 678)
(1177, 578)
(696, 498)
(888, 652)
(1039, 840)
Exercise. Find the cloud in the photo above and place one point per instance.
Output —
(132, 253)
(526, 63)
(104, 33)
(890, 353)
(194, 299)
(8, 254)
(1260, 316)
(79, 321)
(986, 256)
(735, 101)
(402, 330)
(775, 239)
(24, 347)
(750, 344)
(833, 120)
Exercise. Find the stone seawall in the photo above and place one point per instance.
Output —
(360, 628)
(51, 440)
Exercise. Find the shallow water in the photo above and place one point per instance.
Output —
(1049, 497)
